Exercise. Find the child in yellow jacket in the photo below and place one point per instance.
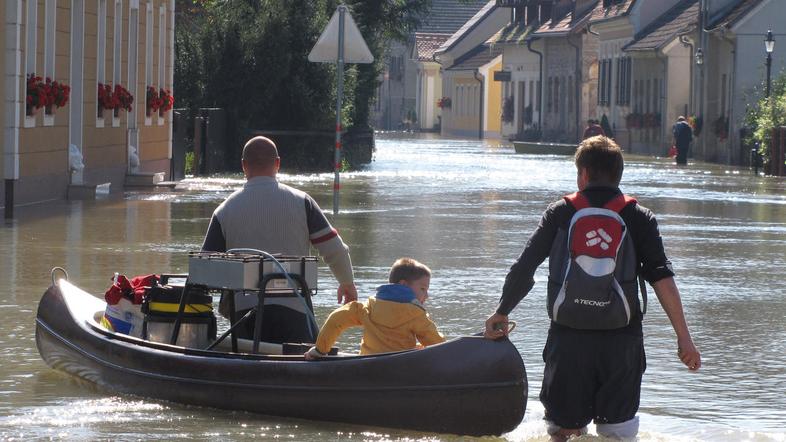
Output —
(394, 320)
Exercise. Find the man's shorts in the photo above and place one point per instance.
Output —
(591, 375)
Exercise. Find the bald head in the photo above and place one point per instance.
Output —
(260, 157)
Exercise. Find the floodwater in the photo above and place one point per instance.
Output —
(466, 209)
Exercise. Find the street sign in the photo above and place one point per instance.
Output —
(501, 75)
(355, 48)
(340, 42)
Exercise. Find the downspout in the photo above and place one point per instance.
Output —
(480, 110)
(577, 85)
(685, 40)
(540, 80)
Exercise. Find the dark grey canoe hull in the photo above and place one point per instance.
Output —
(466, 386)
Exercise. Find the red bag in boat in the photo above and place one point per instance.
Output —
(124, 298)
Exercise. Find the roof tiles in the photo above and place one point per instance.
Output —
(618, 8)
(426, 44)
(735, 13)
(447, 16)
(477, 57)
(683, 16)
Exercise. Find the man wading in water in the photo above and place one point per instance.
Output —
(594, 353)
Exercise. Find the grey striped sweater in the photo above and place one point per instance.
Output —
(277, 218)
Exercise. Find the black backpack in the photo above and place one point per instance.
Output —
(593, 268)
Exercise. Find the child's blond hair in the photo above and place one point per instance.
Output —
(407, 269)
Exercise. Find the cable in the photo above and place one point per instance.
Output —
(309, 313)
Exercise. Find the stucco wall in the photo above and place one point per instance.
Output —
(462, 119)
(524, 67)
(492, 112)
(43, 156)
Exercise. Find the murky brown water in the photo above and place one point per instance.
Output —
(465, 209)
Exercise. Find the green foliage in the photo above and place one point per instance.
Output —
(189, 169)
(250, 57)
(766, 114)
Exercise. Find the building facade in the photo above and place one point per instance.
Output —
(412, 81)
(471, 98)
(104, 51)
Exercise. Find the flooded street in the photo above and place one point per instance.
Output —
(465, 209)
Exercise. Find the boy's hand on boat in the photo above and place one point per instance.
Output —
(496, 326)
(347, 293)
(313, 354)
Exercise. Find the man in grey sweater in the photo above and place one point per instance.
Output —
(276, 218)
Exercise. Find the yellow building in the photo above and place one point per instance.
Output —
(51, 152)
(475, 99)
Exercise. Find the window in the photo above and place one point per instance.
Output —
(50, 9)
(100, 56)
(148, 57)
(539, 88)
(557, 95)
(571, 93)
(624, 65)
(162, 34)
(31, 33)
(549, 94)
(604, 83)
(117, 51)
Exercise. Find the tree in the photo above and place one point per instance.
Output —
(250, 57)
(764, 115)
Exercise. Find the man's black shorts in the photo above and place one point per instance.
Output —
(591, 375)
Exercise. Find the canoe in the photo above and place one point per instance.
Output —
(467, 386)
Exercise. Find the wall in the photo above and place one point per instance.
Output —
(462, 119)
(678, 88)
(492, 106)
(524, 67)
(560, 110)
(43, 150)
(3, 97)
(430, 90)
(43, 157)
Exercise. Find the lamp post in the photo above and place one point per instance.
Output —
(769, 46)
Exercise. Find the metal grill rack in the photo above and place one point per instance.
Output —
(247, 276)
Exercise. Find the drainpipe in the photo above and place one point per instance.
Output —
(577, 84)
(540, 81)
(480, 110)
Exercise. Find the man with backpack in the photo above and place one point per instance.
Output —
(600, 242)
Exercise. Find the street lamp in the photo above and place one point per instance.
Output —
(699, 57)
(769, 46)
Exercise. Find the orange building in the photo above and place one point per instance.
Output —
(58, 145)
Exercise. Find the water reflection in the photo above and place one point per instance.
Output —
(466, 209)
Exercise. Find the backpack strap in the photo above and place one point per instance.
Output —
(619, 202)
(577, 200)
